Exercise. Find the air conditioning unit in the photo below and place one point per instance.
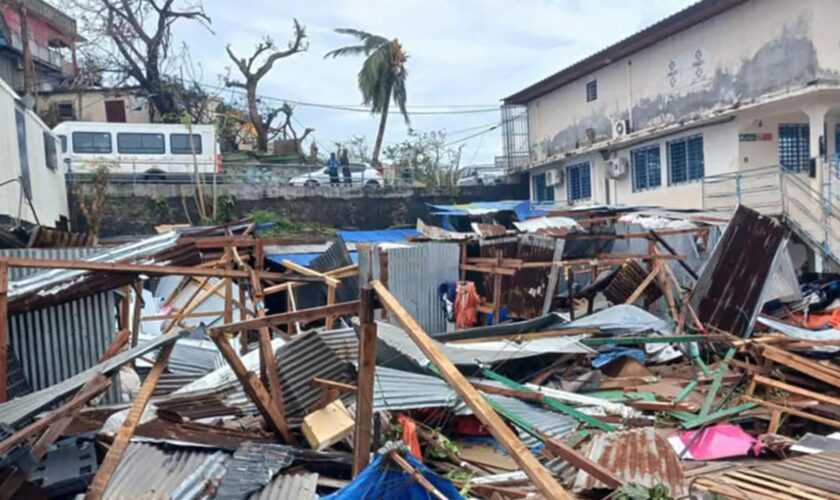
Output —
(554, 177)
(617, 167)
(620, 128)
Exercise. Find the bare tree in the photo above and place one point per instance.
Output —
(288, 133)
(252, 74)
(132, 39)
(95, 206)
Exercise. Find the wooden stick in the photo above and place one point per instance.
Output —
(330, 302)
(138, 311)
(583, 462)
(332, 384)
(482, 410)
(303, 315)
(253, 388)
(121, 440)
(411, 471)
(364, 383)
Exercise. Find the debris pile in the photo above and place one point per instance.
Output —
(508, 354)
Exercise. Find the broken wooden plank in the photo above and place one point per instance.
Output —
(542, 479)
(583, 462)
(303, 316)
(305, 271)
(255, 390)
(123, 436)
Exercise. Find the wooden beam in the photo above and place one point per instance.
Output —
(583, 462)
(268, 363)
(364, 383)
(522, 337)
(151, 270)
(332, 384)
(793, 411)
(303, 316)
(4, 330)
(644, 284)
(330, 302)
(253, 388)
(519, 452)
(305, 271)
(797, 390)
(138, 311)
(115, 452)
(801, 364)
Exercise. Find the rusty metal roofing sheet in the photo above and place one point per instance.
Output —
(155, 472)
(639, 456)
(625, 282)
(729, 293)
(289, 486)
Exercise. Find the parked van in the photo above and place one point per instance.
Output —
(145, 149)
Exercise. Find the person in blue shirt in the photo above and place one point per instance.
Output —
(332, 169)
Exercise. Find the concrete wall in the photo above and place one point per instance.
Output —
(754, 50)
(137, 209)
(49, 195)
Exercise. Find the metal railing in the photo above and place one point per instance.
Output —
(775, 191)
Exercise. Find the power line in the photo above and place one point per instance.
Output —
(362, 109)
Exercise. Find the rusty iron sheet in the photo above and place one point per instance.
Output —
(524, 293)
(728, 294)
(638, 456)
(627, 280)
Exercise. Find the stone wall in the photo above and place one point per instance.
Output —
(135, 209)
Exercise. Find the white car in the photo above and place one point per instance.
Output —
(360, 175)
(479, 176)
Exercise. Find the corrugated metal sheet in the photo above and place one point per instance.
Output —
(343, 342)
(394, 344)
(414, 275)
(334, 257)
(541, 223)
(154, 472)
(639, 456)
(289, 487)
(20, 409)
(550, 422)
(49, 277)
(729, 292)
(625, 282)
(57, 342)
(252, 467)
(401, 390)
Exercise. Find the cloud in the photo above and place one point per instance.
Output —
(461, 52)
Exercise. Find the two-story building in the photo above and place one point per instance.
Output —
(722, 86)
(52, 43)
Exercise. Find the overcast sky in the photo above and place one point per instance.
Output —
(461, 52)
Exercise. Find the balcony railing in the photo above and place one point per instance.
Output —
(44, 54)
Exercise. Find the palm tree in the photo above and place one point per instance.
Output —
(381, 78)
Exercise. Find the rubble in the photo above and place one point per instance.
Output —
(628, 352)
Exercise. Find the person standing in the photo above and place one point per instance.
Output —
(345, 167)
(332, 169)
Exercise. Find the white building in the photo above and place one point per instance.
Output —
(722, 86)
(32, 186)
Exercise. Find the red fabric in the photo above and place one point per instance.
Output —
(466, 305)
(410, 436)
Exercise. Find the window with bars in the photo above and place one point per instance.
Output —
(591, 91)
(578, 182)
(794, 146)
(543, 192)
(646, 167)
(685, 160)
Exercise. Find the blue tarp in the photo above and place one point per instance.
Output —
(383, 479)
(378, 236)
(522, 209)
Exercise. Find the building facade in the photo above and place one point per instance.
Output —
(32, 188)
(52, 43)
(720, 87)
(115, 105)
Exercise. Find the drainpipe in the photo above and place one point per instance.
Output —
(630, 93)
